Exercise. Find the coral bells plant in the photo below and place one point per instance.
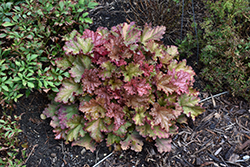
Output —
(124, 86)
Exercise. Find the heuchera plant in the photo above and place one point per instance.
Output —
(124, 86)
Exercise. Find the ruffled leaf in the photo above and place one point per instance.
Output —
(163, 83)
(76, 125)
(163, 145)
(116, 111)
(122, 131)
(172, 50)
(51, 110)
(79, 65)
(130, 33)
(108, 69)
(190, 105)
(112, 138)
(95, 128)
(65, 62)
(147, 131)
(136, 86)
(181, 80)
(182, 65)
(68, 91)
(90, 80)
(86, 142)
(60, 133)
(135, 101)
(78, 45)
(139, 117)
(162, 116)
(150, 33)
(132, 141)
(132, 70)
(93, 109)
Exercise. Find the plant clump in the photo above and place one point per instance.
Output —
(225, 47)
(124, 87)
(30, 32)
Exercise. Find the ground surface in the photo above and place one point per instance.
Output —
(218, 137)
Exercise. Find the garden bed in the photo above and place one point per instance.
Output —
(218, 137)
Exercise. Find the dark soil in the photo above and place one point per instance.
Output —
(218, 137)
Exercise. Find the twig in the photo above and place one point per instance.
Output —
(103, 159)
(63, 153)
(31, 152)
(213, 96)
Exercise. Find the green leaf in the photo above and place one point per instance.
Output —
(109, 68)
(76, 125)
(79, 65)
(7, 24)
(150, 33)
(134, 141)
(33, 56)
(96, 128)
(3, 35)
(74, 47)
(86, 142)
(5, 87)
(92, 5)
(68, 91)
(111, 139)
(139, 116)
(132, 70)
(154, 132)
(88, 20)
(190, 105)
(122, 131)
(30, 84)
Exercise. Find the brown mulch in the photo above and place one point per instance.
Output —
(218, 137)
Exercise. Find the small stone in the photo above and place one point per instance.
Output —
(53, 154)
(83, 151)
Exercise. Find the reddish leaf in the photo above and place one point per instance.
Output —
(162, 116)
(135, 101)
(94, 109)
(163, 83)
(181, 80)
(90, 80)
(116, 111)
(163, 145)
(137, 86)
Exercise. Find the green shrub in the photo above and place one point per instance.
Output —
(123, 86)
(30, 33)
(9, 144)
(225, 46)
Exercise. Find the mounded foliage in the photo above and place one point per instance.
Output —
(124, 86)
